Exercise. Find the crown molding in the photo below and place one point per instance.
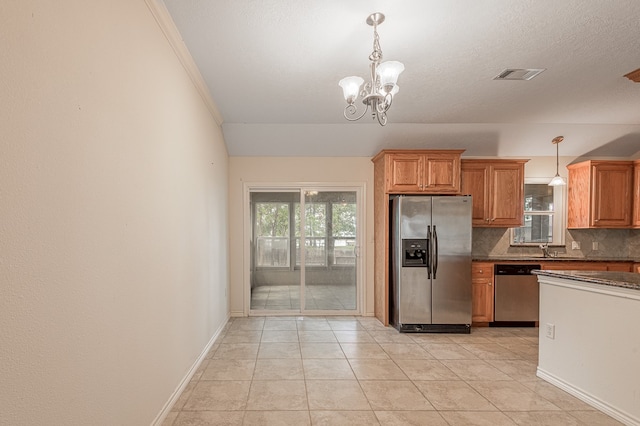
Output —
(170, 31)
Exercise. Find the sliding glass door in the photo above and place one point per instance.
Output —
(304, 251)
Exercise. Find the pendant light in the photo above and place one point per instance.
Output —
(557, 179)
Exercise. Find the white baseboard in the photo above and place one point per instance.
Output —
(187, 378)
(237, 314)
(593, 401)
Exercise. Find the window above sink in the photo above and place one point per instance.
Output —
(544, 215)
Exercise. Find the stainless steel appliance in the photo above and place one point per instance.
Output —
(430, 276)
(516, 294)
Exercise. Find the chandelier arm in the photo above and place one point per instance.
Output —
(350, 112)
(382, 118)
(383, 107)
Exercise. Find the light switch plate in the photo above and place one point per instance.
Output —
(550, 331)
(594, 245)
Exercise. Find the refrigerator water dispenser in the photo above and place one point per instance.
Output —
(415, 253)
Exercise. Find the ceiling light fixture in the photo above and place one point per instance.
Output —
(557, 179)
(377, 94)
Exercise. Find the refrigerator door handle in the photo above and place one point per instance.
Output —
(429, 263)
(435, 252)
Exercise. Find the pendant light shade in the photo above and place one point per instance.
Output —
(350, 88)
(557, 179)
(388, 72)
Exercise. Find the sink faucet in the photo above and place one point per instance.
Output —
(545, 250)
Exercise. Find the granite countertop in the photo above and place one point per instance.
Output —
(610, 278)
(547, 259)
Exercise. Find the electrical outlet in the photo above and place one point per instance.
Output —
(575, 245)
(550, 331)
(594, 246)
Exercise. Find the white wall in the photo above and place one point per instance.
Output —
(293, 170)
(113, 215)
(593, 350)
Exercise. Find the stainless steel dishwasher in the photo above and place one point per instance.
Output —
(517, 293)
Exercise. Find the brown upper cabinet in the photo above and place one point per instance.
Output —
(405, 172)
(419, 172)
(600, 194)
(497, 190)
(636, 194)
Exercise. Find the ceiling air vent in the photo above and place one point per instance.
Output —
(634, 75)
(518, 74)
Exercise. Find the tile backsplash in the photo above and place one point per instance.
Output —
(611, 243)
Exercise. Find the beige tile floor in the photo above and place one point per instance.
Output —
(326, 297)
(354, 371)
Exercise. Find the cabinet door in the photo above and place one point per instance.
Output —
(506, 195)
(611, 190)
(404, 174)
(579, 196)
(482, 292)
(620, 266)
(475, 182)
(441, 173)
(636, 195)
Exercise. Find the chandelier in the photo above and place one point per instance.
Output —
(378, 93)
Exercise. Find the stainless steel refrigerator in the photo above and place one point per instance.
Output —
(430, 282)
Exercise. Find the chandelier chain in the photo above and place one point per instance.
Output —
(376, 55)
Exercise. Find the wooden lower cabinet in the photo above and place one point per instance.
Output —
(588, 266)
(482, 280)
(620, 267)
(574, 266)
(482, 292)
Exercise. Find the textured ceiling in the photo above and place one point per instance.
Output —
(272, 67)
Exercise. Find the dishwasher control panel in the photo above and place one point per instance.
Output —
(515, 269)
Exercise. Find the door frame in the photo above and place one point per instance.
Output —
(359, 188)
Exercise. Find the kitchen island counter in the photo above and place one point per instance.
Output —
(589, 341)
(609, 278)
